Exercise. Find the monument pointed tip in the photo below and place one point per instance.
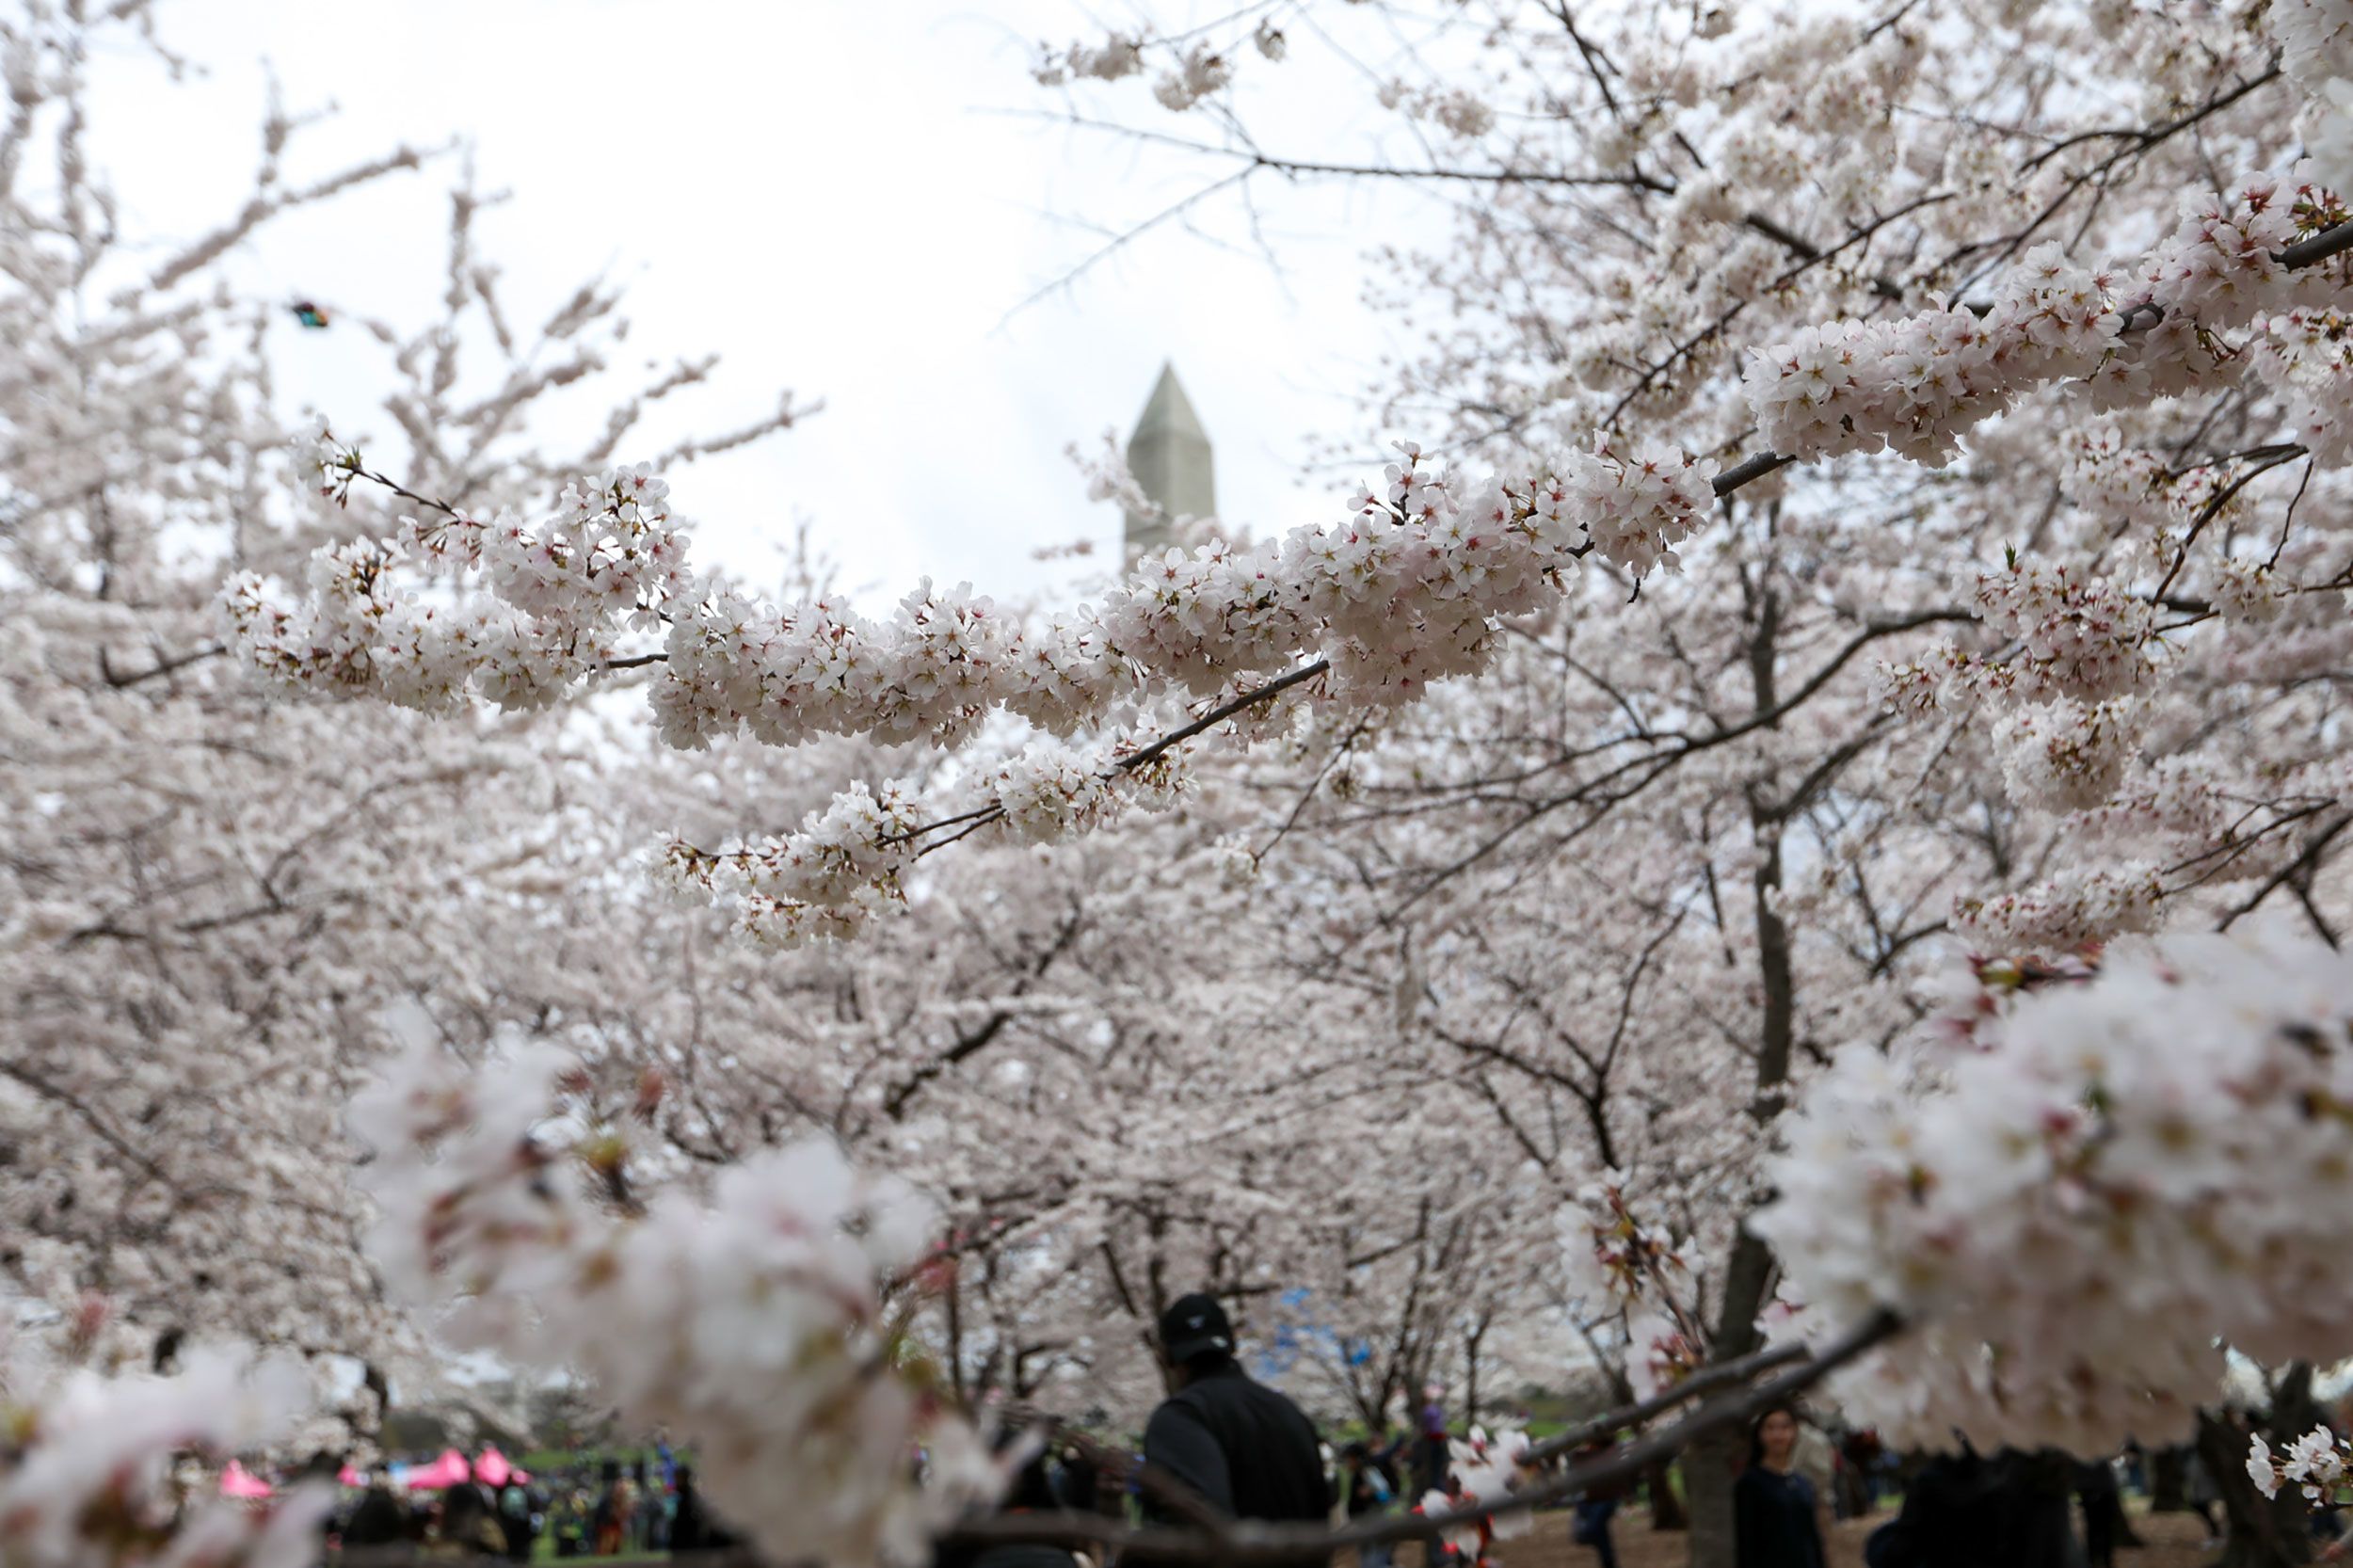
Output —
(1169, 410)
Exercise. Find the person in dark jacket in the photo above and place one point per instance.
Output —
(379, 1520)
(515, 1519)
(2103, 1511)
(1433, 1455)
(1597, 1507)
(1031, 1492)
(465, 1525)
(692, 1527)
(1776, 1516)
(1366, 1492)
(1964, 1510)
(1239, 1444)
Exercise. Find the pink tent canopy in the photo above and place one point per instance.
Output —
(447, 1471)
(238, 1481)
(492, 1469)
(349, 1477)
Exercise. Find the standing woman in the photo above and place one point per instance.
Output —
(1776, 1515)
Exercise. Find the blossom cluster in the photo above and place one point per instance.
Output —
(1109, 478)
(1488, 1470)
(2065, 756)
(564, 594)
(2246, 589)
(2074, 651)
(1917, 384)
(1404, 591)
(97, 1470)
(846, 861)
(2126, 485)
(1453, 109)
(1119, 54)
(1200, 71)
(757, 1322)
(2314, 1464)
(2083, 903)
(2079, 638)
(2315, 40)
(1612, 1255)
(2306, 358)
(1620, 1263)
(2117, 1174)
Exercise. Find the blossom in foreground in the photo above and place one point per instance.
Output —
(757, 1320)
(2085, 1192)
(2316, 1463)
(89, 1473)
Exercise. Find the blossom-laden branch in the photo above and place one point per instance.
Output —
(1411, 588)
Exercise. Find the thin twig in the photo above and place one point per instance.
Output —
(1219, 714)
(163, 665)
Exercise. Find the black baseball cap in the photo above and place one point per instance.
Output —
(1193, 1324)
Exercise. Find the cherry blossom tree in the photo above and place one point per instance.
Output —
(1639, 244)
(208, 896)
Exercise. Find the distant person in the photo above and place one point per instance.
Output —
(1776, 1512)
(1964, 1510)
(1597, 1507)
(575, 1514)
(650, 1527)
(1859, 1458)
(2204, 1496)
(515, 1519)
(1430, 1456)
(615, 1508)
(1365, 1492)
(1031, 1492)
(379, 1520)
(2103, 1511)
(463, 1526)
(1244, 1448)
(692, 1527)
(1078, 1481)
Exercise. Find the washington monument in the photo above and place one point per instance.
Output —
(1169, 456)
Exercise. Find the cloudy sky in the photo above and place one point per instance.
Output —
(849, 198)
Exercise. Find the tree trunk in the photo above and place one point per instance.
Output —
(1710, 1465)
(1470, 1390)
(1666, 1508)
(2262, 1534)
(2168, 1481)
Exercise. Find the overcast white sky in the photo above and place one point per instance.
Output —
(829, 193)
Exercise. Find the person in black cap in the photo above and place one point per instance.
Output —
(1243, 1447)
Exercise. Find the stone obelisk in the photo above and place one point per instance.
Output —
(1169, 454)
